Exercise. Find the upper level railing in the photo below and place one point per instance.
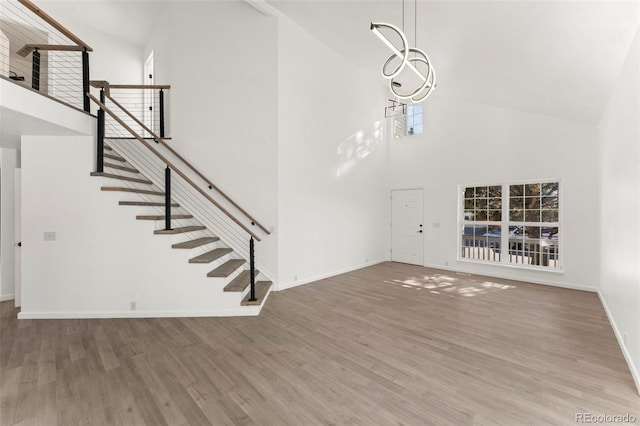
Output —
(123, 120)
(39, 53)
(145, 103)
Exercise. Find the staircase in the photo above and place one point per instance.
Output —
(227, 267)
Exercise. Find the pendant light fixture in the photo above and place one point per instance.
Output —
(409, 57)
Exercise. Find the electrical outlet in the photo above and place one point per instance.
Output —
(446, 263)
(49, 236)
(624, 339)
(133, 306)
(366, 260)
(295, 278)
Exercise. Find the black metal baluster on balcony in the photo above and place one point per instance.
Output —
(85, 80)
(252, 271)
(161, 100)
(167, 199)
(35, 70)
(100, 141)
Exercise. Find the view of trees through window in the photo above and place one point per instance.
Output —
(523, 218)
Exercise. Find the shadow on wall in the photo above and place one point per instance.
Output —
(358, 146)
(448, 285)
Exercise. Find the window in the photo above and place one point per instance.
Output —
(524, 218)
(414, 119)
(409, 124)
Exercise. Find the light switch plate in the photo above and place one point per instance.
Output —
(49, 236)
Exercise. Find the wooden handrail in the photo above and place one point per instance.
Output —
(196, 171)
(171, 165)
(140, 86)
(28, 48)
(181, 158)
(102, 84)
(55, 24)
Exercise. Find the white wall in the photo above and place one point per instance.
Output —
(221, 61)
(467, 143)
(103, 258)
(332, 161)
(255, 105)
(8, 163)
(113, 60)
(619, 134)
(25, 112)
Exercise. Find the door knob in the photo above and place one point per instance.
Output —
(420, 231)
(20, 244)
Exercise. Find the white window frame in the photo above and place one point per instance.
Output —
(505, 223)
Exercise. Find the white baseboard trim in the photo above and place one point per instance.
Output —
(524, 280)
(5, 297)
(285, 286)
(244, 311)
(625, 352)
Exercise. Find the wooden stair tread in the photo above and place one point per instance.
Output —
(119, 167)
(181, 230)
(107, 147)
(226, 268)
(160, 217)
(262, 288)
(130, 179)
(145, 203)
(113, 157)
(195, 243)
(240, 282)
(135, 190)
(210, 256)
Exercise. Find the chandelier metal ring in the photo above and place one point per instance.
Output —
(403, 53)
(428, 82)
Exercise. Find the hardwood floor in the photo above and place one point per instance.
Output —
(391, 344)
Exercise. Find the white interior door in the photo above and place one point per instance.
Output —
(18, 236)
(407, 236)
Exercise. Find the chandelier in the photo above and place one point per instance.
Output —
(410, 58)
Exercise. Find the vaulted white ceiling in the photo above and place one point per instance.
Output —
(132, 21)
(551, 57)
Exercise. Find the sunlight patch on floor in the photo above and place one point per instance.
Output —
(444, 284)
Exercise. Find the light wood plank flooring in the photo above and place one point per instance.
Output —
(391, 344)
